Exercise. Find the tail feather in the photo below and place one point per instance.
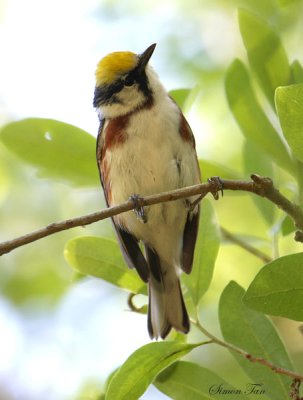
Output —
(166, 308)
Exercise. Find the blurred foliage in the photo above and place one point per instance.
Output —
(256, 126)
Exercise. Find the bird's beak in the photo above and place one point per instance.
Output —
(145, 56)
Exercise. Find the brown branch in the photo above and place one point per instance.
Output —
(246, 246)
(279, 370)
(259, 185)
(295, 390)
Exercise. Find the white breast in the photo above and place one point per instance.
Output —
(153, 159)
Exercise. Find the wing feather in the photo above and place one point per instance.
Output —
(128, 243)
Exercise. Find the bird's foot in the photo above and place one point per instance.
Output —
(218, 185)
(138, 207)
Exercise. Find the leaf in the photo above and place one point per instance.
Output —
(257, 162)
(101, 257)
(254, 333)
(289, 103)
(265, 53)
(58, 150)
(287, 226)
(251, 118)
(297, 72)
(141, 368)
(278, 288)
(207, 247)
(211, 168)
(186, 380)
(185, 97)
(180, 96)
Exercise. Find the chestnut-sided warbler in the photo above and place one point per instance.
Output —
(145, 146)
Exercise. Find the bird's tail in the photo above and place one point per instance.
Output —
(166, 308)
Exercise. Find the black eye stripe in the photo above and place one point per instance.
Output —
(129, 80)
(106, 94)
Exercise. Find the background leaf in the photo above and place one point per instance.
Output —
(278, 288)
(206, 251)
(289, 103)
(212, 168)
(141, 368)
(254, 333)
(58, 150)
(297, 72)
(186, 380)
(287, 226)
(180, 96)
(256, 162)
(252, 120)
(265, 53)
(101, 257)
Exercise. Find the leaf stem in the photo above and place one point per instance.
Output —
(248, 356)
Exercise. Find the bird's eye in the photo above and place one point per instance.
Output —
(129, 81)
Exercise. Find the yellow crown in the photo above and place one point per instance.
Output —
(113, 65)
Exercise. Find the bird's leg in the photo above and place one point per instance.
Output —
(138, 207)
(191, 205)
(218, 186)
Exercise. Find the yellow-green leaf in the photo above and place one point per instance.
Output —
(141, 368)
(252, 120)
(289, 103)
(278, 288)
(101, 257)
(265, 52)
(253, 332)
(56, 149)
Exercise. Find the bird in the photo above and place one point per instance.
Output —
(145, 146)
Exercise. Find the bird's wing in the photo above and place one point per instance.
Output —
(192, 223)
(189, 240)
(128, 243)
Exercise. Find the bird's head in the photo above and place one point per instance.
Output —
(123, 82)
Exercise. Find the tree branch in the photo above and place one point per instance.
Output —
(279, 370)
(246, 246)
(259, 185)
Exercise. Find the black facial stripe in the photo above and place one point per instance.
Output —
(141, 79)
(105, 94)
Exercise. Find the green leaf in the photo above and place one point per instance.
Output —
(287, 226)
(141, 368)
(185, 97)
(289, 103)
(180, 96)
(254, 333)
(206, 251)
(265, 53)
(186, 380)
(58, 150)
(256, 162)
(211, 168)
(278, 288)
(297, 72)
(101, 257)
(251, 118)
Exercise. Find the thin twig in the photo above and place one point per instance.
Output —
(259, 185)
(248, 356)
(246, 246)
(295, 390)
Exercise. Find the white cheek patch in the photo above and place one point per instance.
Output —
(129, 98)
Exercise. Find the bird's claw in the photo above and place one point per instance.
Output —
(138, 207)
(218, 184)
